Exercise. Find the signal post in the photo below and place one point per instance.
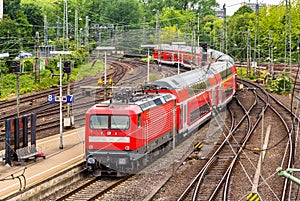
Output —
(178, 55)
(105, 49)
(60, 53)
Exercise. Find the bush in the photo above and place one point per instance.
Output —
(281, 84)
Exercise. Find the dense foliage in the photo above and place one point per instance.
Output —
(246, 27)
(129, 23)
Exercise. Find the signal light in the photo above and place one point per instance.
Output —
(67, 67)
(204, 47)
(17, 66)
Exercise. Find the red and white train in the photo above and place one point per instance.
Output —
(187, 56)
(126, 133)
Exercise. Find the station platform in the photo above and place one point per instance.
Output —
(17, 177)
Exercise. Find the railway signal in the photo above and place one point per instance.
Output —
(204, 47)
(67, 67)
(16, 66)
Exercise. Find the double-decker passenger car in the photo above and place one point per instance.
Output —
(126, 133)
(186, 56)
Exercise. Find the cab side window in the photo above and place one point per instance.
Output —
(139, 120)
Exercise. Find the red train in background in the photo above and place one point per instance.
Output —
(126, 133)
(187, 56)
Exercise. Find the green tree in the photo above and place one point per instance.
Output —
(11, 7)
(123, 12)
(242, 10)
(238, 28)
(205, 7)
(34, 16)
(15, 34)
(210, 30)
(170, 17)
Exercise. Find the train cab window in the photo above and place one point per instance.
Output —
(139, 121)
(99, 121)
(119, 122)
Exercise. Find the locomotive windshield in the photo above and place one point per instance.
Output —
(119, 122)
(99, 121)
(115, 122)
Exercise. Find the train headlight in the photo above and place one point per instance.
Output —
(91, 161)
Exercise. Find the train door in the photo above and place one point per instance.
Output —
(146, 135)
(221, 94)
(183, 118)
(172, 58)
(215, 95)
(197, 59)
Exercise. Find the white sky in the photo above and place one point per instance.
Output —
(233, 5)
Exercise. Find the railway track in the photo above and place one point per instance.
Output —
(282, 149)
(93, 189)
(206, 185)
(232, 170)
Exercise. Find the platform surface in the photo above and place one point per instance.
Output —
(56, 161)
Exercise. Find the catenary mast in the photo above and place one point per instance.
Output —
(1, 9)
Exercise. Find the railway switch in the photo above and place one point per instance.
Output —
(256, 150)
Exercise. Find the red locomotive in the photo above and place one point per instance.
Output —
(124, 134)
(187, 56)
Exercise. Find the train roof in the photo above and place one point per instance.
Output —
(191, 77)
(184, 48)
(220, 56)
(143, 100)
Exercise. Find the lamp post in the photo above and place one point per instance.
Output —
(59, 53)
(148, 65)
(178, 45)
